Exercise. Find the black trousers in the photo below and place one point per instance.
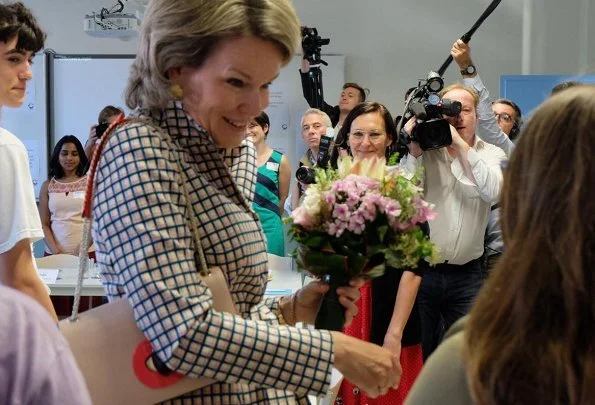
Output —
(446, 294)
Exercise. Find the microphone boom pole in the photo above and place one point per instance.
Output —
(467, 36)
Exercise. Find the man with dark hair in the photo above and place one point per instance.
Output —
(20, 226)
(352, 95)
(509, 117)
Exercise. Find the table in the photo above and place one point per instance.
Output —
(283, 282)
(66, 283)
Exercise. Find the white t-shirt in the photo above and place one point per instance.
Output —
(19, 218)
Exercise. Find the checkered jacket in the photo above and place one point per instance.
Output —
(145, 253)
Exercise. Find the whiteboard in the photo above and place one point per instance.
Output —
(83, 84)
(29, 122)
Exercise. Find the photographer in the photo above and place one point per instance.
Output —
(106, 116)
(314, 124)
(311, 76)
(462, 181)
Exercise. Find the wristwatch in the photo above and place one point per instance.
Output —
(469, 70)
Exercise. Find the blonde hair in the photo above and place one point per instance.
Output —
(184, 33)
(459, 86)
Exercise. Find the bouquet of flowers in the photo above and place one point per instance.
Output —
(357, 221)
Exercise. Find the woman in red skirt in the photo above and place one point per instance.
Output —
(388, 314)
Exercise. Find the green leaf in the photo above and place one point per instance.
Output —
(374, 272)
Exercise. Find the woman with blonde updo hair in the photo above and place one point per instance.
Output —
(201, 75)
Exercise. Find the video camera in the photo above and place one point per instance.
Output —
(307, 175)
(432, 131)
(311, 45)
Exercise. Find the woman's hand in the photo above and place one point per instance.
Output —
(372, 368)
(308, 299)
(393, 345)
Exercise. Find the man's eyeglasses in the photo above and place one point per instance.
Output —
(504, 117)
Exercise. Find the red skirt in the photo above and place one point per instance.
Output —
(411, 360)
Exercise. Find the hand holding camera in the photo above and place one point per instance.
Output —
(414, 149)
(307, 175)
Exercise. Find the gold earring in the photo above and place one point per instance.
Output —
(177, 91)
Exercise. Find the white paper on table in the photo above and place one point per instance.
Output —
(49, 276)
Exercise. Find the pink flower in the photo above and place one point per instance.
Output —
(392, 208)
(330, 198)
(335, 228)
(368, 206)
(353, 199)
(424, 211)
(341, 212)
(357, 223)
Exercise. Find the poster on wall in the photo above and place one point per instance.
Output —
(34, 151)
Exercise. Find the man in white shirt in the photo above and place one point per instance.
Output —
(462, 180)
(20, 38)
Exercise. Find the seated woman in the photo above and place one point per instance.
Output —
(387, 314)
(529, 338)
(272, 184)
(62, 196)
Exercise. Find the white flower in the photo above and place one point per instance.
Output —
(312, 201)
(373, 168)
(344, 165)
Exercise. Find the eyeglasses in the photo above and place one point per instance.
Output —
(504, 117)
(374, 137)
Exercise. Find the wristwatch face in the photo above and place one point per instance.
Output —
(469, 71)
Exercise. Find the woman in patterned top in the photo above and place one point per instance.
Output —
(272, 184)
(201, 74)
(62, 196)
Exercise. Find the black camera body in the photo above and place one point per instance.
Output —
(432, 130)
(307, 175)
(312, 44)
(100, 129)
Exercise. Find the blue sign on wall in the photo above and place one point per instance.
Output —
(529, 91)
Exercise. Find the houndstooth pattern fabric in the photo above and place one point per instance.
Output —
(145, 252)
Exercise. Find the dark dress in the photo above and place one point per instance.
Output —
(376, 307)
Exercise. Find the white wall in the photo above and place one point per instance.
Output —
(389, 44)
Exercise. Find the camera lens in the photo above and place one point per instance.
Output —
(305, 175)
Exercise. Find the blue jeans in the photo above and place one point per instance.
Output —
(446, 294)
